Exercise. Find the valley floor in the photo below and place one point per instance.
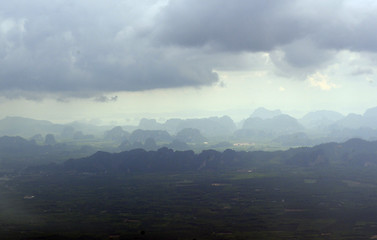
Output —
(265, 203)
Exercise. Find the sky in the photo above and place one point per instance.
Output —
(118, 61)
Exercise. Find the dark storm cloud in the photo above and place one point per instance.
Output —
(86, 48)
(79, 48)
(306, 31)
(229, 25)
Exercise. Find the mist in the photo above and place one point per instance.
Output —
(186, 119)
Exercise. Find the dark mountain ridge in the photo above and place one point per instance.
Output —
(355, 152)
(18, 153)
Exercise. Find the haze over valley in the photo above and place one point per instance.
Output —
(263, 126)
(188, 119)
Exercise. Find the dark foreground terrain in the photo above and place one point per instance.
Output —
(326, 192)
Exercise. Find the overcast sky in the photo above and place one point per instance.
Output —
(118, 61)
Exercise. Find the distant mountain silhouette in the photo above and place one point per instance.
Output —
(320, 119)
(281, 124)
(353, 153)
(16, 144)
(179, 145)
(26, 127)
(261, 128)
(17, 152)
(264, 113)
(295, 139)
(140, 135)
(354, 121)
(370, 117)
(150, 124)
(190, 135)
(50, 139)
(209, 127)
(116, 134)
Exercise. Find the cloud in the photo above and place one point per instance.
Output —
(89, 48)
(80, 48)
(228, 25)
(362, 71)
(305, 54)
(264, 25)
(321, 81)
(301, 36)
(106, 99)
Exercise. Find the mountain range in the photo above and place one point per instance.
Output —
(262, 128)
(354, 153)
